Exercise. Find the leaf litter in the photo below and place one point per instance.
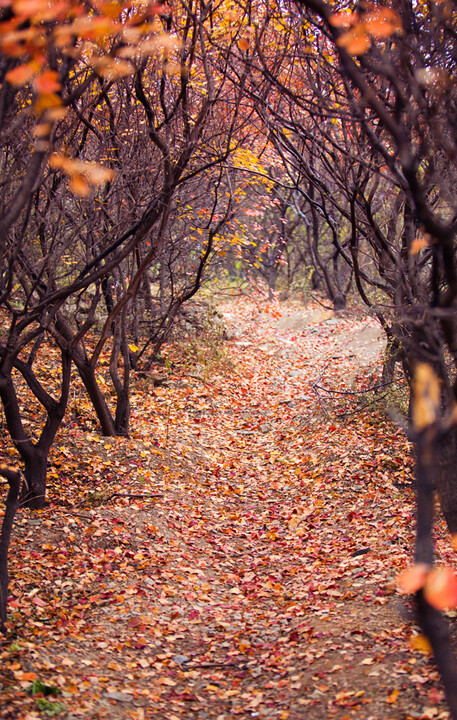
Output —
(237, 555)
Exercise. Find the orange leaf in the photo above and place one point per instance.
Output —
(47, 82)
(418, 244)
(243, 43)
(29, 676)
(56, 113)
(28, 8)
(79, 185)
(41, 130)
(441, 588)
(112, 69)
(355, 41)
(382, 23)
(342, 20)
(393, 697)
(92, 28)
(96, 174)
(21, 74)
(413, 578)
(47, 101)
(91, 172)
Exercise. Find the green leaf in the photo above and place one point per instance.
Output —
(38, 687)
(50, 708)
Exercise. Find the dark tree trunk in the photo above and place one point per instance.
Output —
(87, 375)
(446, 479)
(34, 455)
(14, 479)
(339, 301)
(430, 620)
(122, 387)
(272, 277)
(108, 294)
(34, 487)
(86, 370)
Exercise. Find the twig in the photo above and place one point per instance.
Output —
(321, 303)
(132, 495)
(187, 666)
(362, 407)
(353, 392)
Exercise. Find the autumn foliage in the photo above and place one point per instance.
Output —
(147, 148)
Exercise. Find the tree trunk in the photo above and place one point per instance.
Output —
(87, 374)
(430, 620)
(14, 479)
(446, 479)
(122, 387)
(272, 277)
(86, 370)
(339, 301)
(34, 487)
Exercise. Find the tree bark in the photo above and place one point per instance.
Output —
(87, 375)
(34, 455)
(431, 621)
(34, 488)
(12, 501)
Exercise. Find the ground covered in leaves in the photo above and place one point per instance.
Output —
(236, 557)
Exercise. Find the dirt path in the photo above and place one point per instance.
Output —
(259, 581)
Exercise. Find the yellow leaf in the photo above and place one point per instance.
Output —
(47, 101)
(426, 396)
(420, 643)
(133, 348)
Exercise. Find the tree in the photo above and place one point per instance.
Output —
(145, 111)
(394, 64)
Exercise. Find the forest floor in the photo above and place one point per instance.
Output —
(237, 556)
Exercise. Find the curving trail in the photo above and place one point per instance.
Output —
(259, 581)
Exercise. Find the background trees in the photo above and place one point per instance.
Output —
(111, 119)
(391, 77)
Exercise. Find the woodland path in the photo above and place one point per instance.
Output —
(259, 581)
